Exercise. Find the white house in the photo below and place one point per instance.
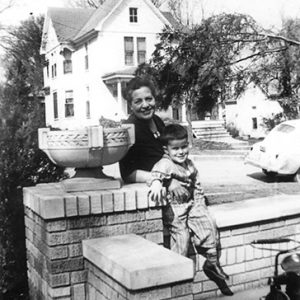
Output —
(90, 54)
(246, 114)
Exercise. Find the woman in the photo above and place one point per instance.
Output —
(137, 164)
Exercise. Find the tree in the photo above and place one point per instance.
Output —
(195, 66)
(217, 59)
(21, 162)
(97, 3)
(187, 12)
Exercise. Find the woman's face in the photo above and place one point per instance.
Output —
(143, 103)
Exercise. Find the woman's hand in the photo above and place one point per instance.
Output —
(178, 189)
(156, 192)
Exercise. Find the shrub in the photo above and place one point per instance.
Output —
(231, 128)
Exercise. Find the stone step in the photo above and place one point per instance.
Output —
(211, 129)
(217, 137)
(137, 263)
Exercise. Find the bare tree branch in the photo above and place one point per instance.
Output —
(6, 6)
(259, 53)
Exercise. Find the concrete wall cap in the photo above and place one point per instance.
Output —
(137, 263)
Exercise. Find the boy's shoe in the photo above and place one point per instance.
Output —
(212, 271)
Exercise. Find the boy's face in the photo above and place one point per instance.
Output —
(178, 150)
(143, 103)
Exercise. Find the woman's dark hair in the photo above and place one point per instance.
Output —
(135, 84)
(173, 132)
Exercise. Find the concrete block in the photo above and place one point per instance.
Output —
(75, 249)
(153, 294)
(231, 256)
(145, 227)
(78, 276)
(107, 230)
(118, 200)
(71, 205)
(182, 289)
(130, 199)
(144, 265)
(83, 201)
(57, 238)
(96, 202)
(77, 235)
(232, 241)
(58, 252)
(78, 291)
(153, 214)
(78, 223)
(52, 207)
(59, 292)
(65, 265)
(59, 280)
(53, 226)
(240, 254)
(107, 202)
(142, 198)
(96, 221)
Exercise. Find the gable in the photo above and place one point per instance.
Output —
(149, 19)
(98, 15)
(64, 23)
(49, 37)
(112, 10)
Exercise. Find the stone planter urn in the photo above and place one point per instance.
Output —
(87, 150)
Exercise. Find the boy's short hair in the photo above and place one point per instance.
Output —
(135, 84)
(173, 132)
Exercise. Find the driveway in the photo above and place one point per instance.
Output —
(227, 179)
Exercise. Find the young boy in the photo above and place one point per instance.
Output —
(187, 219)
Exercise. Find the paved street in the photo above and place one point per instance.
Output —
(227, 179)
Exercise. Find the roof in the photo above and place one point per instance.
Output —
(67, 22)
(71, 24)
(124, 73)
(99, 14)
(171, 19)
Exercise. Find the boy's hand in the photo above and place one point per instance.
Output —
(156, 192)
(178, 189)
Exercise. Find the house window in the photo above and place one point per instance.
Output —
(175, 113)
(86, 57)
(53, 71)
(46, 65)
(254, 123)
(67, 61)
(55, 105)
(129, 50)
(141, 50)
(133, 18)
(67, 66)
(87, 104)
(69, 104)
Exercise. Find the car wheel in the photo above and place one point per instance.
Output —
(296, 177)
(269, 173)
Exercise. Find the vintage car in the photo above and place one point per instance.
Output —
(279, 152)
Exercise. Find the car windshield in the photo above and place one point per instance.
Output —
(284, 128)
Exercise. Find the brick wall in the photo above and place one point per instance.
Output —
(101, 286)
(57, 222)
(247, 266)
(56, 227)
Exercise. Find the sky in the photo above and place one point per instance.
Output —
(266, 12)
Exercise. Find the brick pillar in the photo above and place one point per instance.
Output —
(57, 222)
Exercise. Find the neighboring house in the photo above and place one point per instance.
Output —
(90, 55)
(246, 113)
